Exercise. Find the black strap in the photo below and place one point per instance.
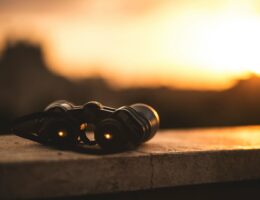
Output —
(27, 126)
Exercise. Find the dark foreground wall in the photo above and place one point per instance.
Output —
(226, 191)
(172, 159)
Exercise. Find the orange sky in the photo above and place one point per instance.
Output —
(202, 44)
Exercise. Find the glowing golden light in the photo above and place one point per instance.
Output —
(108, 136)
(185, 44)
(61, 134)
(83, 126)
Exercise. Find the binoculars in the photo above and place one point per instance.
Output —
(64, 124)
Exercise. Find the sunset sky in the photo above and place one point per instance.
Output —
(199, 44)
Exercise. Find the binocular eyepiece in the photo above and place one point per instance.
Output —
(64, 124)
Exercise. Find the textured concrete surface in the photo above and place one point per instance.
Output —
(172, 158)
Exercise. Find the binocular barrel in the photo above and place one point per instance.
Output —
(62, 123)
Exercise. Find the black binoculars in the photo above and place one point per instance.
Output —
(64, 124)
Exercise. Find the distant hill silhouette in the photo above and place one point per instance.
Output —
(27, 85)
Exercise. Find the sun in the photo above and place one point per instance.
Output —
(233, 45)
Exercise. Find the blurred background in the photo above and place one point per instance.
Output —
(196, 62)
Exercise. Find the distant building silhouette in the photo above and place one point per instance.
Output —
(27, 85)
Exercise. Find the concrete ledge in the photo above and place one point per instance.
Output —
(172, 158)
